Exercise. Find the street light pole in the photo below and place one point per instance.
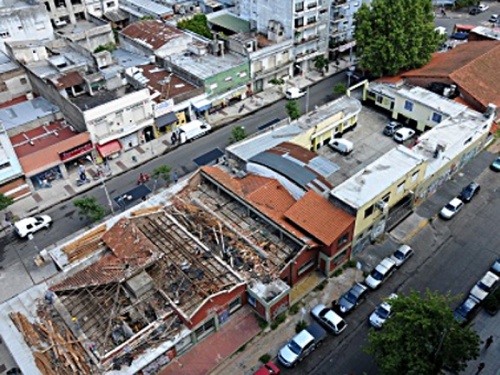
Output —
(307, 100)
(101, 178)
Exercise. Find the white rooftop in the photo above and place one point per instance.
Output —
(373, 180)
(454, 134)
(207, 66)
(490, 32)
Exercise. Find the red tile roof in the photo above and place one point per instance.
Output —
(68, 80)
(130, 249)
(472, 66)
(319, 217)
(157, 76)
(152, 32)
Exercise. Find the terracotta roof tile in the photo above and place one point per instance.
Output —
(319, 217)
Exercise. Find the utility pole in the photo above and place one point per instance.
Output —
(307, 100)
(101, 179)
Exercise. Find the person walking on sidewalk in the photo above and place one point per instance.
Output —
(480, 367)
(489, 341)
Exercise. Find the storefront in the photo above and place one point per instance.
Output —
(166, 123)
(109, 149)
(70, 157)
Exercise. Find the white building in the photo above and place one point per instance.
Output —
(305, 21)
(20, 20)
(342, 25)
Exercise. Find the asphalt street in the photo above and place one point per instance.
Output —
(66, 219)
(450, 256)
(463, 17)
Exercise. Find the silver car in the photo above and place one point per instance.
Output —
(401, 255)
(328, 319)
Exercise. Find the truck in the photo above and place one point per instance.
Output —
(192, 130)
(301, 345)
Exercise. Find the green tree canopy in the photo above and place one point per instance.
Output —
(238, 133)
(422, 338)
(395, 35)
(197, 24)
(321, 64)
(89, 208)
(162, 171)
(292, 109)
(5, 201)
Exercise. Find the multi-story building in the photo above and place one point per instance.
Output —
(22, 20)
(306, 22)
(14, 82)
(342, 26)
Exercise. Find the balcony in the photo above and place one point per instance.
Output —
(301, 41)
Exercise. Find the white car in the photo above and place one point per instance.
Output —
(294, 93)
(401, 255)
(327, 318)
(382, 312)
(484, 286)
(342, 146)
(403, 134)
(381, 273)
(483, 7)
(451, 209)
(31, 225)
(493, 18)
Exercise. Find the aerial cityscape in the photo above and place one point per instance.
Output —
(249, 187)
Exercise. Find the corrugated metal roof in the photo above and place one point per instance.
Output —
(25, 112)
(149, 6)
(285, 167)
(231, 22)
(6, 64)
(323, 166)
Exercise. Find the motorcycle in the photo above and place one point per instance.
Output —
(143, 178)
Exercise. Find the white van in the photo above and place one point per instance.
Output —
(294, 93)
(403, 134)
(342, 146)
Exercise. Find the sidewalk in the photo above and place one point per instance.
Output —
(63, 190)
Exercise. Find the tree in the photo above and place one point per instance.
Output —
(198, 24)
(292, 109)
(422, 338)
(110, 47)
(340, 89)
(321, 64)
(89, 208)
(238, 133)
(465, 3)
(146, 18)
(162, 171)
(5, 201)
(395, 35)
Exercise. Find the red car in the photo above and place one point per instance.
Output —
(268, 369)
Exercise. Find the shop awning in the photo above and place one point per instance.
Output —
(165, 120)
(109, 148)
(202, 105)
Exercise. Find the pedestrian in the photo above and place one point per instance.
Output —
(480, 367)
(489, 341)
(175, 177)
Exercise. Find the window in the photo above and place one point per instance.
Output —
(386, 197)
(252, 301)
(414, 176)
(369, 211)
(339, 257)
(311, 20)
(23, 81)
(110, 4)
(380, 99)
(468, 140)
(408, 106)
(306, 266)
(205, 329)
(401, 187)
(4, 165)
(235, 304)
(299, 7)
(342, 240)
(4, 34)
(436, 117)
(299, 22)
(20, 27)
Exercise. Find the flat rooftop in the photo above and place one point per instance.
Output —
(86, 101)
(26, 111)
(207, 66)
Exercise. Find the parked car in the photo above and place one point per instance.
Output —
(391, 128)
(328, 319)
(495, 267)
(342, 146)
(469, 192)
(294, 93)
(401, 255)
(493, 18)
(483, 7)
(451, 208)
(495, 166)
(465, 312)
(484, 286)
(30, 225)
(382, 312)
(350, 299)
(268, 369)
(302, 345)
(403, 134)
(381, 273)
(474, 11)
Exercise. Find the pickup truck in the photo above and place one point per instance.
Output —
(301, 345)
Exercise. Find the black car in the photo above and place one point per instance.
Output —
(465, 312)
(474, 11)
(469, 192)
(350, 299)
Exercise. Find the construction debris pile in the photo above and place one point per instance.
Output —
(56, 350)
(85, 245)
